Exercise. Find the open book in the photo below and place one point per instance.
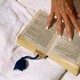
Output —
(45, 42)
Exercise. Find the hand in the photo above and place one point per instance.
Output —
(64, 10)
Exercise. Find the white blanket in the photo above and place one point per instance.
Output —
(12, 16)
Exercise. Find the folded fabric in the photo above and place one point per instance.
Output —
(36, 5)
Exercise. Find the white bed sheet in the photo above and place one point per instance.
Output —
(12, 16)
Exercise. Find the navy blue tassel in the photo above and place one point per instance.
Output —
(22, 63)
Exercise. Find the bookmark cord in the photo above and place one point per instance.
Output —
(33, 58)
(22, 63)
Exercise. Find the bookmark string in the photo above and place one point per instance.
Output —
(22, 63)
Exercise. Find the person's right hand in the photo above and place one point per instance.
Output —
(64, 10)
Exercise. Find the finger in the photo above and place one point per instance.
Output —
(68, 26)
(50, 20)
(78, 16)
(59, 26)
(51, 16)
(74, 22)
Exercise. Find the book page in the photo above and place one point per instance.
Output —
(37, 34)
(68, 50)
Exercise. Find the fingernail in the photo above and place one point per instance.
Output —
(62, 20)
(59, 36)
(47, 28)
(55, 17)
(70, 39)
(79, 33)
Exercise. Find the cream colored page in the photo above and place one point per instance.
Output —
(68, 50)
(37, 34)
(65, 49)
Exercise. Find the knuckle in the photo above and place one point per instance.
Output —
(70, 12)
(76, 24)
(62, 11)
(59, 25)
(69, 32)
(50, 18)
(77, 28)
(52, 14)
(59, 28)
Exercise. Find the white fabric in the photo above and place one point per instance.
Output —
(36, 4)
(12, 16)
(69, 76)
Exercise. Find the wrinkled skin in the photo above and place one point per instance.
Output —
(64, 10)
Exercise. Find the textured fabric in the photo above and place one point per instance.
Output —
(12, 16)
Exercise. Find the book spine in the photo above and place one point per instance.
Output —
(41, 54)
